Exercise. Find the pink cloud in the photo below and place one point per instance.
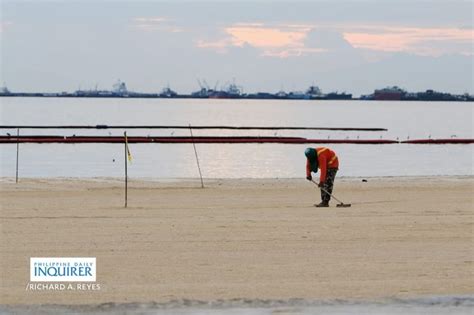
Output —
(264, 37)
(286, 40)
(279, 41)
(409, 39)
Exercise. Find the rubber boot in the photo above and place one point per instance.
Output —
(323, 204)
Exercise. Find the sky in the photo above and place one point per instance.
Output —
(349, 45)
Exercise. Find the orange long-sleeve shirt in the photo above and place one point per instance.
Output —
(326, 159)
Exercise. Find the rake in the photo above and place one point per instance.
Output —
(340, 204)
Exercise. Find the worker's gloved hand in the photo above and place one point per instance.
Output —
(309, 177)
(321, 184)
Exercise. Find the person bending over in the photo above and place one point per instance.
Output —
(326, 160)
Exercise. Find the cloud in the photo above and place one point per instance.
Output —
(150, 19)
(293, 39)
(219, 46)
(158, 23)
(293, 52)
(328, 39)
(413, 40)
(4, 25)
(281, 41)
(265, 37)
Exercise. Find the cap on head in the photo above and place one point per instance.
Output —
(310, 153)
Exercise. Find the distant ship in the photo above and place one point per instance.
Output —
(338, 96)
(393, 93)
(281, 94)
(298, 95)
(119, 89)
(202, 93)
(4, 90)
(168, 93)
(232, 91)
(314, 93)
(205, 91)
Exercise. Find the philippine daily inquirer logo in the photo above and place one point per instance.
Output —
(62, 269)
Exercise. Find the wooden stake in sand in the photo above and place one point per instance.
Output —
(17, 152)
(127, 156)
(195, 153)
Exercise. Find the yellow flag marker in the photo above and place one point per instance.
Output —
(129, 154)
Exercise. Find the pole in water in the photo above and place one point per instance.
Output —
(195, 153)
(126, 168)
(17, 152)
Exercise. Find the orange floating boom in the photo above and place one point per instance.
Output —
(439, 141)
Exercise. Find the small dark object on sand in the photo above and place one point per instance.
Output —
(364, 180)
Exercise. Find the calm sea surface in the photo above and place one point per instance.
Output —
(402, 119)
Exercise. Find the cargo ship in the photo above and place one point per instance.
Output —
(338, 96)
(232, 91)
(389, 94)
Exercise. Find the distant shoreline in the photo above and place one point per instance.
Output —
(267, 96)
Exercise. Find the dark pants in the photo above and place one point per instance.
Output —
(328, 184)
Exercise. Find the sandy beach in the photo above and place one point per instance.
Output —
(241, 239)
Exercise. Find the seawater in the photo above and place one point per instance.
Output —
(402, 119)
